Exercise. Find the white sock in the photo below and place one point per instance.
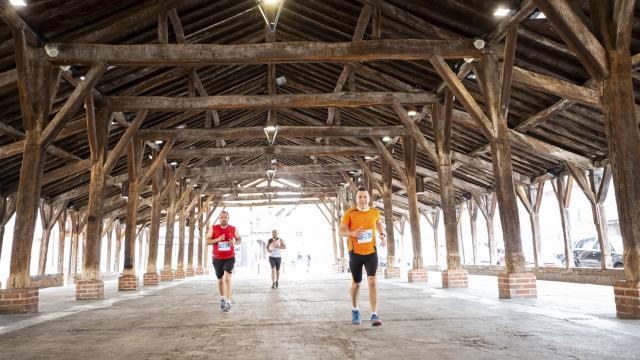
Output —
(222, 298)
(355, 309)
(374, 313)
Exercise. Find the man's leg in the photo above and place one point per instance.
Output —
(373, 293)
(355, 290)
(227, 285)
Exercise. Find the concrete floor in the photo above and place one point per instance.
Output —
(309, 318)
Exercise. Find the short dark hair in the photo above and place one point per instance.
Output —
(224, 212)
(362, 188)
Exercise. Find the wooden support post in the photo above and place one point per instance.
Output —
(339, 213)
(37, 81)
(531, 198)
(417, 273)
(110, 246)
(129, 281)
(151, 275)
(391, 271)
(62, 235)
(562, 187)
(167, 270)
(202, 206)
(192, 237)
(472, 208)
(433, 218)
(487, 206)
(180, 272)
(455, 276)
(334, 233)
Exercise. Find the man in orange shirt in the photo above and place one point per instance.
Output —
(361, 223)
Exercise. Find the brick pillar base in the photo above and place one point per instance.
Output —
(417, 275)
(128, 283)
(627, 299)
(455, 278)
(519, 285)
(392, 273)
(180, 274)
(199, 271)
(190, 272)
(166, 275)
(89, 289)
(19, 301)
(150, 279)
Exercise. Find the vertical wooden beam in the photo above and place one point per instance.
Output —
(62, 232)
(392, 271)
(35, 87)
(156, 208)
(410, 153)
(98, 133)
(7, 209)
(600, 185)
(433, 218)
(531, 198)
(134, 162)
(487, 206)
(46, 213)
(495, 85)
(180, 273)
(562, 187)
(167, 270)
(119, 232)
(202, 206)
(110, 246)
(472, 208)
(334, 234)
(192, 237)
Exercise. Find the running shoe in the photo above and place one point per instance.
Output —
(277, 285)
(375, 320)
(222, 303)
(273, 286)
(355, 317)
(227, 306)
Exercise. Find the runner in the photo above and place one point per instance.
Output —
(361, 224)
(274, 246)
(222, 238)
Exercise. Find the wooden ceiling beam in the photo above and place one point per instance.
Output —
(273, 150)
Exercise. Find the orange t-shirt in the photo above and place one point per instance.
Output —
(354, 219)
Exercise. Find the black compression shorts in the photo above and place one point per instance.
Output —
(356, 262)
(275, 262)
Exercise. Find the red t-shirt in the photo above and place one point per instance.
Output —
(224, 249)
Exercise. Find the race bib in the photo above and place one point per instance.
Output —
(224, 246)
(365, 237)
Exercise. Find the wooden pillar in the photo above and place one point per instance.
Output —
(595, 189)
(110, 245)
(472, 208)
(90, 286)
(531, 198)
(459, 211)
(562, 187)
(167, 270)
(119, 232)
(37, 82)
(433, 218)
(151, 275)
(339, 214)
(202, 211)
(62, 235)
(418, 272)
(129, 281)
(46, 214)
(455, 276)
(180, 273)
(487, 205)
(192, 239)
(76, 226)
(334, 233)
(391, 270)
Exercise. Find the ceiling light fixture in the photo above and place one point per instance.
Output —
(386, 139)
(18, 2)
(271, 173)
(270, 10)
(502, 12)
(412, 112)
(538, 15)
(158, 142)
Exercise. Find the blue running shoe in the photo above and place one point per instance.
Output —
(355, 317)
(375, 320)
(223, 302)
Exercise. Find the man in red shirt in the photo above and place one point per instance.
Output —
(222, 238)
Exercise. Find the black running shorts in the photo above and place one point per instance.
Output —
(275, 262)
(356, 262)
(223, 265)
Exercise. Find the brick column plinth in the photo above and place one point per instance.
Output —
(19, 301)
(89, 289)
(199, 271)
(627, 299)
(518, 285)
(128, 283)
(418, 275)
(392, 273)
(190, 272)
(166, 275)
(150, 279)
(455, 278)
(180, 274)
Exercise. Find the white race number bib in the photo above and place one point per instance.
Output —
(224, 246)
(365, 237)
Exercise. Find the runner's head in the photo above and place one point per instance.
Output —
(274, 234)
(362, 198)
(224, 218)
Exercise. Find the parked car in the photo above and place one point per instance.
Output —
(586, 253)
